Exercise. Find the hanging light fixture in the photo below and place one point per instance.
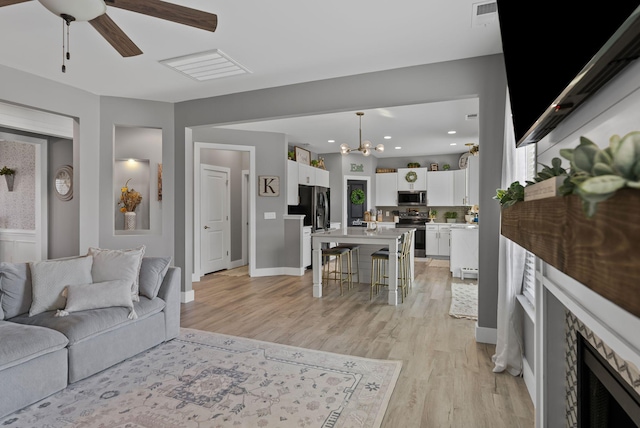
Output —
(365, 146)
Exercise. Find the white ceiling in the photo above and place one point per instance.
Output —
(281, 42)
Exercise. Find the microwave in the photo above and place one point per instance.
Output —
(412, 198)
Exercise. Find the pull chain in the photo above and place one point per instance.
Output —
(65, 45)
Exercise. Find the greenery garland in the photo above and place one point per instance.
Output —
(411, 176)
(357, 197)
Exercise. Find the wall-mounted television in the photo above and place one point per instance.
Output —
(557, 54)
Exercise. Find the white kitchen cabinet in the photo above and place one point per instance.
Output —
(387, 189)
(419, 184)
(322, 177)
(473, 180)
(464, 249)
(306, 174)
(440, 188)
(306, 246)
(437, 238)
(460, 187)
(292, 183)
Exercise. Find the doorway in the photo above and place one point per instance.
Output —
(356, 202)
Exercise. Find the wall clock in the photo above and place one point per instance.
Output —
(63, 182)
(464, 160)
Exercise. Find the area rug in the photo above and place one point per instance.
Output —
(239, 271)
(464, 301)
(439, 263)
(211, 380)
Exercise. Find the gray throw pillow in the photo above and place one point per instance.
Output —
(110, 265)
(106, 294)
(16, 289)
(50, 277)
(152, 274)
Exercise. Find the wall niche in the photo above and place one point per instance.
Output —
(137, 164)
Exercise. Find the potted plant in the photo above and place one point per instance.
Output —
(432, 215)
(9, 175)
(413, 165)
(446, 167)
(451, 216)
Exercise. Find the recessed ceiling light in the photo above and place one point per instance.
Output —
(387, 137)
(451, 132)
(206, 65)
(397, 147)
(331, 141)
(453, 144)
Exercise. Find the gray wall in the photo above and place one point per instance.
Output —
(271, 158)
(481, 77)
(63, 215)
(235, 161)
(145, 114)
(35, 92)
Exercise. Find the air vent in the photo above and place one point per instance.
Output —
(484, 13)
(206, 65)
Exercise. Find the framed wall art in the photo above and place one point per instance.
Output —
(303, 155)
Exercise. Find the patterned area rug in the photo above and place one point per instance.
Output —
(211, 380)
(464, 301)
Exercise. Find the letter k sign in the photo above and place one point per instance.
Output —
(269, 185)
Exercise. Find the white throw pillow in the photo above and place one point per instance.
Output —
(110, 265)
(50, 277)
(98, 295)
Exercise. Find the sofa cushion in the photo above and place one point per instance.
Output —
(50, 277)
(109, 265)
(21, 343)
(152, 273)
(1, 311)
(98, 295)
(82, 325)
(16, 288)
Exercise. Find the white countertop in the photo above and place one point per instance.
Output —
(361, 232)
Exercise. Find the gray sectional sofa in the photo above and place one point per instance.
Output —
(43, 353)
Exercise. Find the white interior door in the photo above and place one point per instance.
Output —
(214, 220)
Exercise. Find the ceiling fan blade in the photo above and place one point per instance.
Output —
(115, 36)
(169, 11)
(10, 2)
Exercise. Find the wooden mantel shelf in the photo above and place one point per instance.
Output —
(602, 252)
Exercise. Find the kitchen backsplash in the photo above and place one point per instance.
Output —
(439, 217)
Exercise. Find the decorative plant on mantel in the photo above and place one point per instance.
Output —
(9, 175)
(595, 174)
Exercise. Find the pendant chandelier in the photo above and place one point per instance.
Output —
(365, 146)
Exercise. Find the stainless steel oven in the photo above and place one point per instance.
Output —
(417, 221)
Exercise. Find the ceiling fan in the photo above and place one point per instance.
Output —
(95, 12)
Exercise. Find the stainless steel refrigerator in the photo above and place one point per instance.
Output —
(314, 204)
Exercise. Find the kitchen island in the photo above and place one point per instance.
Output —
(360, 235)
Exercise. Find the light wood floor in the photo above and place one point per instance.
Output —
(446, 378)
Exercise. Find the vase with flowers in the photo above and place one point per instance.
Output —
(129, 201)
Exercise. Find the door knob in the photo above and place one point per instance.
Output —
(207, 227)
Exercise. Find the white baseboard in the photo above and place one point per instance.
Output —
(278, 271)
(187, 296)
(486, 335)
(195, 277)
(236, 264)
(529, 380)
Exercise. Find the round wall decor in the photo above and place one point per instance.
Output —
(411, 176)
(63, 183)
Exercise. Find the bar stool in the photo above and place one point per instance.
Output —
(353, 248)
(338, 274)
(380, 263)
